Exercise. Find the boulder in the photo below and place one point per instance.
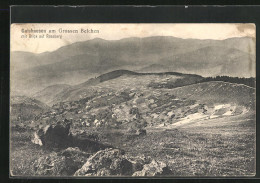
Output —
(63, 163)
(141, 132)
(155, 168)
(106, 163)
(49, 165)
(55, 135)
(36, 139)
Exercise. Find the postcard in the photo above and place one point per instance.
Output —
(133, 100)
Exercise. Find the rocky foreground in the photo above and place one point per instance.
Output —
(105, 162)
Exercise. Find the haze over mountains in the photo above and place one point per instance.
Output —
(77, 62)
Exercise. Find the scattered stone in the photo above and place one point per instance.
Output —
(151, 101)
(36, 139)
(153, 105)
(155, 168)
(141, 132)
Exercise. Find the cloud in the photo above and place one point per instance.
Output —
(246, 29)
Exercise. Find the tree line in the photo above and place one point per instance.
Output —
(246, 81)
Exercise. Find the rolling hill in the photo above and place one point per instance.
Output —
(110, 101)
(88, 88)
(218, 92)
(24, 108)
(47, 94)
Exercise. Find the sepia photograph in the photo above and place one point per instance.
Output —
(132, 100)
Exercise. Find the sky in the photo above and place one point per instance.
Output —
(119, 31)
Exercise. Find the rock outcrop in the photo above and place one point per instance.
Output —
(155, 168)
(49, 165)
(63, 163)
(108, 162)
(55, 135)
(113, 162)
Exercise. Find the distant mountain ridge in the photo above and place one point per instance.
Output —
(135, 46)
(77, 62)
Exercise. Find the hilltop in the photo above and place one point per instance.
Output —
(87, 88)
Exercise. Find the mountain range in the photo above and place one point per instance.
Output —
(78, 62)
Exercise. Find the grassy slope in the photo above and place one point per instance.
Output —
(46, 95)
(216, 147)
(218, 92)
(222, 146)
